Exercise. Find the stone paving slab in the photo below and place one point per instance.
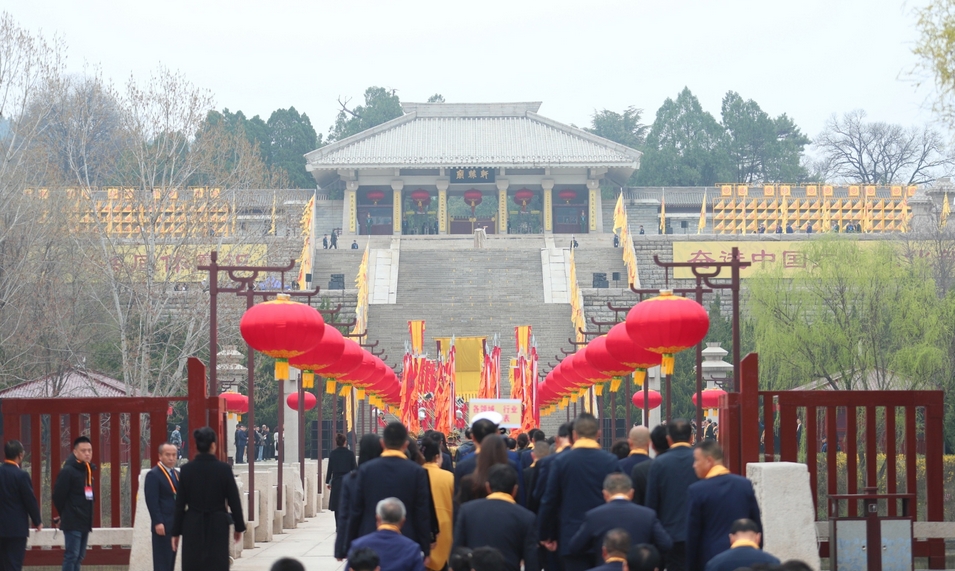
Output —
(312, 543)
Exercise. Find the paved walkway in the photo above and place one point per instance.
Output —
(312, 543)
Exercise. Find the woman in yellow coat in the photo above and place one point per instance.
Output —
(442, 494)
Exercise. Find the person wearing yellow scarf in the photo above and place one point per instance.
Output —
(744, 549)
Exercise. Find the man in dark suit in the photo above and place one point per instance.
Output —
(73, 500)
(395, 551)
(640, 472)
(744, 549)
(241, 443)
(640, 523)
(535, 435)
(160, 487)
(713, 504)
(615, 546)
(669, 477)
(392, 476)
(563, 442)
(639, 438)
(574, 484)
(18, 507)
(499, 522)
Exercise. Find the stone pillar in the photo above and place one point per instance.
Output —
(396, 185)
(596, 211)
(786, 509)
(653, 377)
(230, 424)
(291, 422)
(502, 184)
(350, 212)
(548, 204)
(442, 184)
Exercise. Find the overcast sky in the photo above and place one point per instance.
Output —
(808, 59)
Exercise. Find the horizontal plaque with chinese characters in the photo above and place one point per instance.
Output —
(471, 175)
(509, 409)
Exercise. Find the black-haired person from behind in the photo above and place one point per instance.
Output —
(644, 557)
(499, 522)
(206, 486)
(287, 564)
(363, 559)
(341, 461)
(369, 448)
(73, 500)
(744, 549)
(486, 559)
(392, 476)
(669, 477)
(18, 506)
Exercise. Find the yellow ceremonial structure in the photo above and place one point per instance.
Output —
(741, 210)
(128, 212)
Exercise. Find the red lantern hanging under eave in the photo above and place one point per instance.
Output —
(375, 196)
(711, 398)
(567, 195)
(310, 401)
(667, 324)
(654, 399)
(523, 196)
(282, 329)
(422, 198)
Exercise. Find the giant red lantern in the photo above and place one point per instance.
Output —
(235, 403)
(654, 399)
(523, 196)
(473, 197)
(310, 401)
(599, 357)
(375, 196)
(282, 329)
(350, 360)
(623, 348)
(667, 324)
(583, 368)
(329, 350)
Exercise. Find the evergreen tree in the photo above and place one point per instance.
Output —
(380, 106)
(291, 135)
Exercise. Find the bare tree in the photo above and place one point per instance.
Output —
(852, 149)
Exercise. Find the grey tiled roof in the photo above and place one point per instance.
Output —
(74, 383)
(493, 135)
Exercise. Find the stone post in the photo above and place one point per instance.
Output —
(548, 185)
(396, 185)
(502, 184)
(291, 421)
(442, 184)
(350, 211)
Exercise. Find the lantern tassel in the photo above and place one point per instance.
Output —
(281, 369)
(599, 389)
(668, 362)
(615, 384)
(346, 391)
(308, 380)
(639, 377)
(330, 387)
(360, 394)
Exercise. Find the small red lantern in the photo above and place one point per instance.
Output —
(282, 329)
(375, 196)
(523, 195)
(235, 403)
(309, 401)
(654, 399)
(567, 195)
(422, 198)
(667, 324)
(623, 348)
(711, 398)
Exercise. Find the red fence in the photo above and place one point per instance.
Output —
(125, 432)
(872, 439)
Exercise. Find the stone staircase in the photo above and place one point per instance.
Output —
(597, 254)
(468, 292)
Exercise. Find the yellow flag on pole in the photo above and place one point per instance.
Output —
(946, 210)
(702, 225)
(619, 214)
(663, 214)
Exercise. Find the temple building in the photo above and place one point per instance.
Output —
(448, 168)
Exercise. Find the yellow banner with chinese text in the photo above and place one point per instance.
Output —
(789, 256)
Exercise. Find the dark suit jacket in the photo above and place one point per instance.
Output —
(543, 469)
(574, 486)
(526, 458)
(615, 566)
(712, 507)
(386, 477)
(669, 477)
(467, 466)
(640, 522)
(733, 559)
(396, 552)
(160, 498)
(627, 464)
(17, 502)
(639, 477)
(507, 527)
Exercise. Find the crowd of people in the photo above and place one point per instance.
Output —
(537, 503)
(262, 443)
(503, 504)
